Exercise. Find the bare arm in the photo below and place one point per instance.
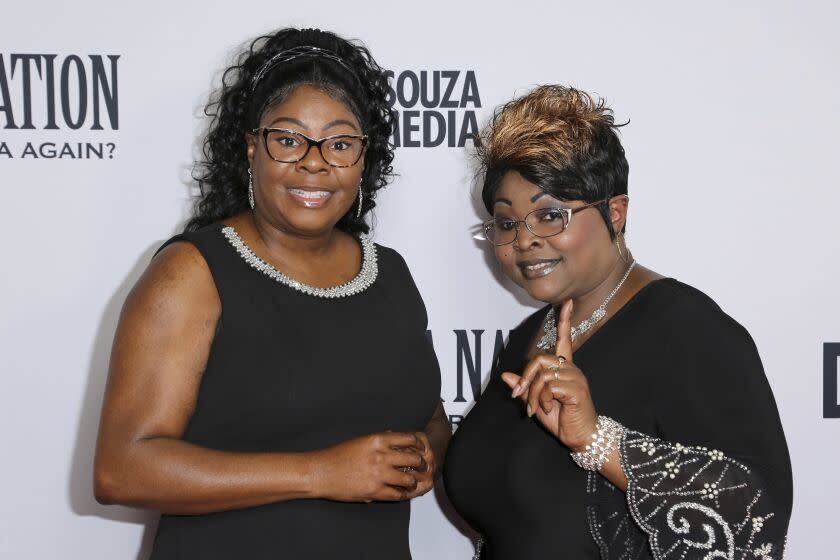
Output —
(158, 358)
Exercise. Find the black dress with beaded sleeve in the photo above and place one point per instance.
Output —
(292, 372)
(704, 452)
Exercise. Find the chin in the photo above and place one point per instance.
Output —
(542, 290)
(311, 225)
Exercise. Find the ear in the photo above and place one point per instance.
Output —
(251, 140)
(618, 211)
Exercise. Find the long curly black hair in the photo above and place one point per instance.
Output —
(358, 81)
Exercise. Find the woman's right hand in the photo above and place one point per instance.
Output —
(368, 468)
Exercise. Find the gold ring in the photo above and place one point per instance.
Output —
(561, 359)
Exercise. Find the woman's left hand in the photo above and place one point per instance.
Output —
(556, 391)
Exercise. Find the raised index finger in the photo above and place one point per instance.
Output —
(564, 332)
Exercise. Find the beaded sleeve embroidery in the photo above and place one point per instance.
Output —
(684, 502)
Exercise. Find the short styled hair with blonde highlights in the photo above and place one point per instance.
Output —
(562, 139)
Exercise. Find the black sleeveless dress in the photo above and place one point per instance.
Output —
(294, 372)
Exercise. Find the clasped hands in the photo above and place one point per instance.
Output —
(556, 391)
(387, 466)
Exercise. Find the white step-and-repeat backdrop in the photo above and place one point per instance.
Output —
(733, 149)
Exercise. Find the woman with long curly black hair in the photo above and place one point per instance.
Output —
(272, 391)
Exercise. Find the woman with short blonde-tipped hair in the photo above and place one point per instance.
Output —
(641, 423)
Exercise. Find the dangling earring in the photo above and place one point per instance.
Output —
(361, 200)
(250, 189)
(618, 246)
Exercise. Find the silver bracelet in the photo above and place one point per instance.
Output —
(605, 438)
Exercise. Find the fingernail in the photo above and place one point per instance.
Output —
(528, 408)
(516, 391)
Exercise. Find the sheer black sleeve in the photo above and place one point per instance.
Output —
(715, 481)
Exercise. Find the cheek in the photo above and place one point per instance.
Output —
(504, 253)
(507, 259)
(583, 248)
(269, 169)
(577, 242)
(349, 177)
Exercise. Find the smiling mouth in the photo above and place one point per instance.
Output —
(309, 198)
(538, 269)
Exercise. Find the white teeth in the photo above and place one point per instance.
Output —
(310, 194)
(540, 269)
(539, 266)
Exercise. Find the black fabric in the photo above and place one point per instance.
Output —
(289, 372)
(669, 364)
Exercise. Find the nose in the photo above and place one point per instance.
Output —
(525, 240)
(313, 161)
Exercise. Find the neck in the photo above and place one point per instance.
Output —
(589, 301)
(280, 240)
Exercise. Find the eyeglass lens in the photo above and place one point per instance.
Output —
(289, 147)
(544, 222)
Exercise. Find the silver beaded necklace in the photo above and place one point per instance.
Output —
(549, 337)
(367, 275)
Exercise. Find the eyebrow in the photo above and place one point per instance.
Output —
(329, 125)
(286, 119)
(338, 122)
(534, 198)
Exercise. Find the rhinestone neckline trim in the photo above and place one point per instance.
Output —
(367, 275)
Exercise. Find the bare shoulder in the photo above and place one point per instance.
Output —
(162, 342)
(179, 278)
(160, 348)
